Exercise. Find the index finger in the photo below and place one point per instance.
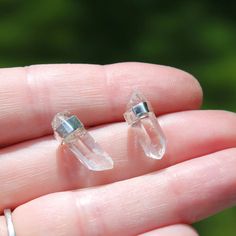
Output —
(30, 96)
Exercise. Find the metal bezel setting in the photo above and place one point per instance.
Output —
(69, 126)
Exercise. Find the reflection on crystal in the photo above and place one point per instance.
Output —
(145, 125)
(70, 131)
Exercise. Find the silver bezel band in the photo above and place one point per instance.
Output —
(10, 226)
(69, 126)
(141, 109)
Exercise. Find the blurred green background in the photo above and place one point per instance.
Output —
(196, 36)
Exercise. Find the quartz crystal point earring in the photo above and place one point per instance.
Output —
(70, 131)
(144, 124)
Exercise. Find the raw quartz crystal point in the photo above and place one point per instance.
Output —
(144, 123)
(69, 130)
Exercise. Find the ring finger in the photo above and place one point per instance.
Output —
(186, 192)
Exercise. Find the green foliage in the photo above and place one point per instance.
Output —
(222, 224)
(197, 36)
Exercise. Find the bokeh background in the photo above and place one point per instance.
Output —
(196, 36)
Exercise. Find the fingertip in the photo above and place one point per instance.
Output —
(193, 92)
(197, 90)
(169, 89)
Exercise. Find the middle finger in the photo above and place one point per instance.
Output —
(35, 168)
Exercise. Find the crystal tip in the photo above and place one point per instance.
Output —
(136, 98)
(108, 165)
(59, 118)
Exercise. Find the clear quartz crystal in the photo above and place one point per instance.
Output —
(80, 142)
(145, 126)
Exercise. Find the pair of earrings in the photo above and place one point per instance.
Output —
(70, 131)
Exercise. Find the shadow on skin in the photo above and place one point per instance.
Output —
(72, 170)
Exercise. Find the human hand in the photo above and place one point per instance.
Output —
(49, 189)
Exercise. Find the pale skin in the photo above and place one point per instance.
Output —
(51, 193)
